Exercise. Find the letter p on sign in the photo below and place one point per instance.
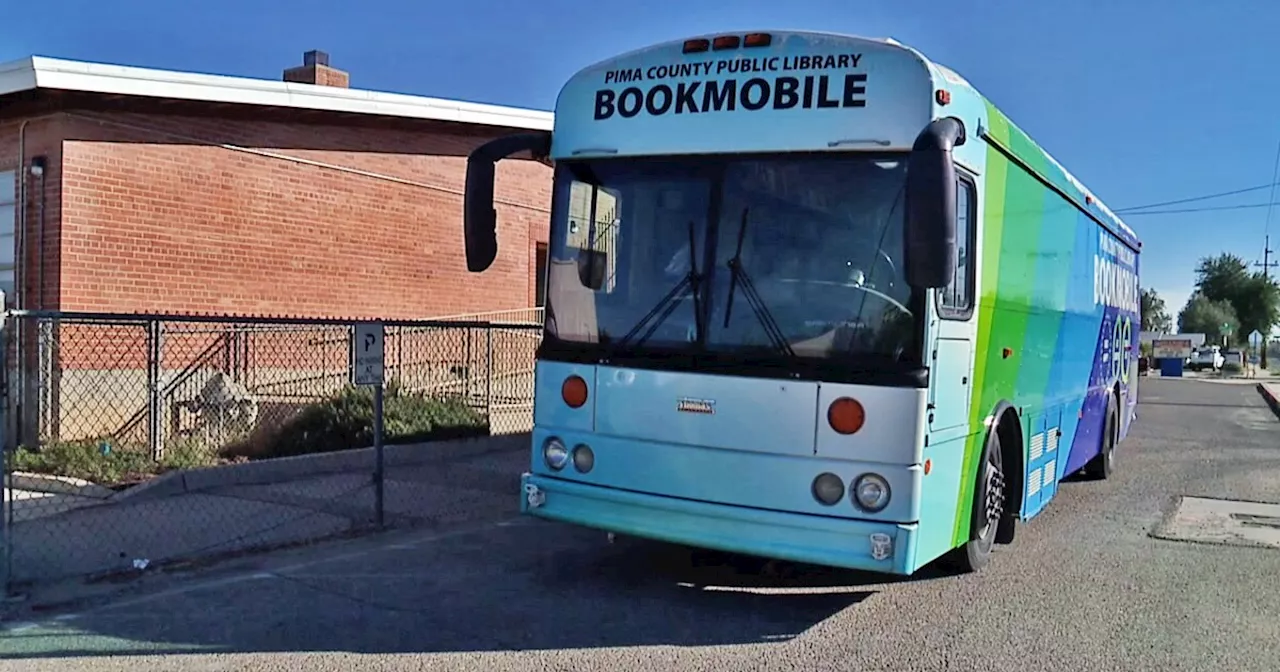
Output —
(367, 364)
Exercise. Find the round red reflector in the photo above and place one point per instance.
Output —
(846, 415)
(574, 391)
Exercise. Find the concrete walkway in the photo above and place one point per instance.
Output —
(29, 496)
(195, 516)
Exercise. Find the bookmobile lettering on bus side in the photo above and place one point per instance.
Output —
(748, 90)
(1115, 280)
(1115, 285)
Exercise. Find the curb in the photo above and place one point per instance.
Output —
(281, 469)
(1271, 397)
(56, 485)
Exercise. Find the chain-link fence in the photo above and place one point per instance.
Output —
(132, 439)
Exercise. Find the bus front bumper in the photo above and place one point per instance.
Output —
(819, 540)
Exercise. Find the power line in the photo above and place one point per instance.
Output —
(1209, 209)
(1275, 176)
(1193, 199)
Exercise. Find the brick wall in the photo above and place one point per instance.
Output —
(160, 215)
(154, 213)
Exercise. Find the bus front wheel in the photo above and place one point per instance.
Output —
(989, 502)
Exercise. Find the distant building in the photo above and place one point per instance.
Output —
(1146, 337)
(126, 189)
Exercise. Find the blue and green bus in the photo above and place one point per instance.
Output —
(812, 297)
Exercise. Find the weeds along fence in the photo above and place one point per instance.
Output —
(190, 389)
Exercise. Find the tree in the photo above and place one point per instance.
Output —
(1204, 316)
(1220, 278)
(1254, 297)
(1154, 317)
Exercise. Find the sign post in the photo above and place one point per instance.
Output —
(368, 363)
(1256, 346)
(1255, 339)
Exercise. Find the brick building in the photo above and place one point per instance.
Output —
(129, 190)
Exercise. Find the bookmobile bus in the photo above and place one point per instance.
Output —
(812, 297)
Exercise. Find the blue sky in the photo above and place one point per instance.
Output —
(1143, 100)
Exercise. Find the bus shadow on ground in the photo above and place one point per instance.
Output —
(1195, 404)
(694, 568)
(523, 587)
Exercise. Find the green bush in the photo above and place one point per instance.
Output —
(1232, 367)
(102, 461)
(345, 421)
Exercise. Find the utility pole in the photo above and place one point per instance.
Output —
(1266, 265)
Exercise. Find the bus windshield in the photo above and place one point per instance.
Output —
(643, 251)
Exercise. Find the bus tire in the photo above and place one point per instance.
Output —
(1011, 463)
(1102, 466)
(988, 509)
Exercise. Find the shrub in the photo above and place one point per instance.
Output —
(102, 461)
(345, 421)
(1232, 367)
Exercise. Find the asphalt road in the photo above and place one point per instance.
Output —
(1084, 587)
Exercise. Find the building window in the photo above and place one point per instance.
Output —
(540, 271)
(955, 301)
(593, 232)
(8, 226)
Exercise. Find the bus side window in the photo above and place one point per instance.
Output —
(955, 301)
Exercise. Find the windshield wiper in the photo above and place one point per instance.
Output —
(738, 275)
(692, 282)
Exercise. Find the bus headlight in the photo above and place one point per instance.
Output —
(583, 458)
(828, 489)
(870, 492)
(555, 454)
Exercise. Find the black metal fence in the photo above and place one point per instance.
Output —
(133, 439)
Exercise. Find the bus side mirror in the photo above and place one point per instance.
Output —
(930, 236)
(479, 218)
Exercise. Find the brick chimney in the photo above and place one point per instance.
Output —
(315, 70)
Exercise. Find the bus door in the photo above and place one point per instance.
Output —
(951, 359)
